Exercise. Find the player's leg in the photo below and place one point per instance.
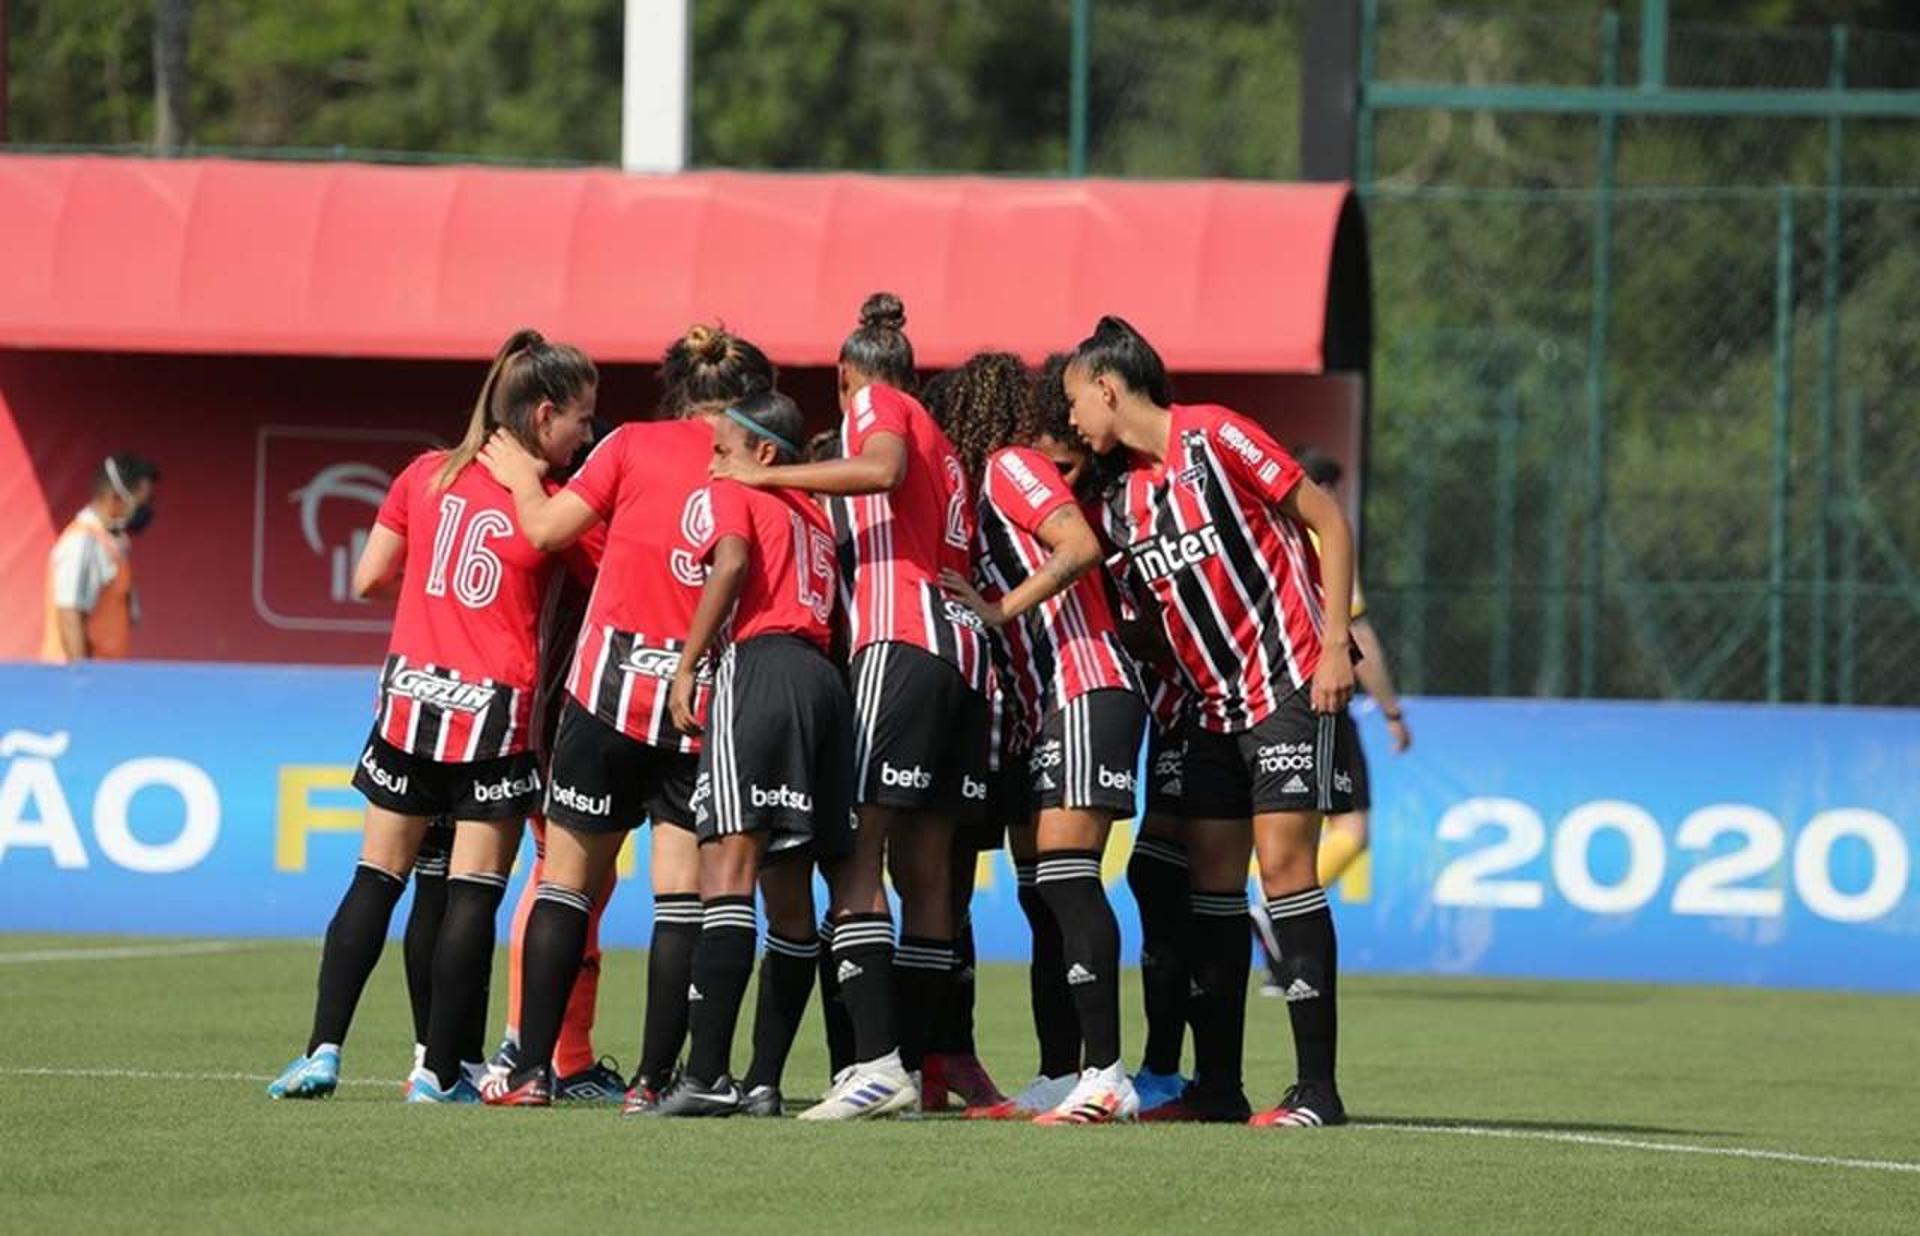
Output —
(1056, 1025)
(920, 859)
(954, 1066)
(422, 932)
(1157, 877)
(355, 937)
(787, 967)
(507, 1057)
(483, 853)
(1344, 838)
(580, 1076)
(1286, 835)
(1098, 736)
(675, 869)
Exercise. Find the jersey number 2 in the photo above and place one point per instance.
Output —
(958, 534)
(476, 577)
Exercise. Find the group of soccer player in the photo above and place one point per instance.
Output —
(948, 627)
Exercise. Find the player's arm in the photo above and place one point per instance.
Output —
(1378, 680)
(549, 522)
(878, 467)
(726, 573)
(1310, 505)
(73, 635)
(1072, 551)
(377, 574)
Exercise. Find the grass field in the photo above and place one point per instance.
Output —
(131, 1100)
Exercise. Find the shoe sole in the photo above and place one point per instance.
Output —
(900, 1099)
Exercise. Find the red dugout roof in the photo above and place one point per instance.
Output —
(215, 256)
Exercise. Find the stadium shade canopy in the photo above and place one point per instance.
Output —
(215, 256)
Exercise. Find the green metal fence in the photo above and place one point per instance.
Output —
(1644, 418)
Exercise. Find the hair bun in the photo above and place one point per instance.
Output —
(707, 344)
(883, 311)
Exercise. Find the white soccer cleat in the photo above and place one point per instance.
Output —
(1042, 1094)
(878, 1088)
(1101, 1096)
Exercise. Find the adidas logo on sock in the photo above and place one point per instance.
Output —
(1300, 989)
(1079, 974)
(847, 971)
(1294, 785)
(693, 993)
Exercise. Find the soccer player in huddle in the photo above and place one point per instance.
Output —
(776, 775)
(618, 759)
(1042, 594)
(919, 669)
(451, 734)
(1214, 519)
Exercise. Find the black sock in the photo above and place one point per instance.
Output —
(863, 966)
(922, 988)
(958, 1038)
(833, 1007)
(1218, 1002)
(1157, 874)
(676, 930)
(1056, 1024)
(786, 981)
(1308, 973)
(423, 931)
(550, 955)
(354, 940)
(1069, 880)
(722, 963)
(460, 968)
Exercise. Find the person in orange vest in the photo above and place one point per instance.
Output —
(91, 607)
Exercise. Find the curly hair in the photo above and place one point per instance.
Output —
(986, 404)
(1053, 416)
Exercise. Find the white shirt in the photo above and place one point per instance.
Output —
(81, 566)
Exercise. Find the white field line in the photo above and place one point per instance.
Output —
(1630, 1143)
(392, 1083)
(125, 952)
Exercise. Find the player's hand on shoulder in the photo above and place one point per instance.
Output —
(745, 471)
(509, 462)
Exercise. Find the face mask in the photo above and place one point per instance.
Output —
(139, 521)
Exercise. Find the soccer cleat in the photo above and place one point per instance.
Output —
(597, 1083)
(526, 1088)
(878, 1088)
(1102, 1096)
(763, 1100)
(506, 1057)
(689, 1096)
(1306, 1105)
(1040, 1095)
(309, 1077)
(945, 1073)
(1156, 1089)
(424, 1087)
(1200, 1106)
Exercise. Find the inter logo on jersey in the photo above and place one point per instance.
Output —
(1159, 556)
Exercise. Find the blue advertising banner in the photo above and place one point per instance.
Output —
(1705, 843)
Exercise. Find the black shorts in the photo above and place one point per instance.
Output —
(506, 787)
(920, 733)
(602, 781)
(1295, 760)
(778, 755)
(1088, 753)
(1357, 762)
(1166, 770)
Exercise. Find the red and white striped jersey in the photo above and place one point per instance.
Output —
(459, 677)
(894, 545)
(1237, 582)
(648, 481)
(1068, 645)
